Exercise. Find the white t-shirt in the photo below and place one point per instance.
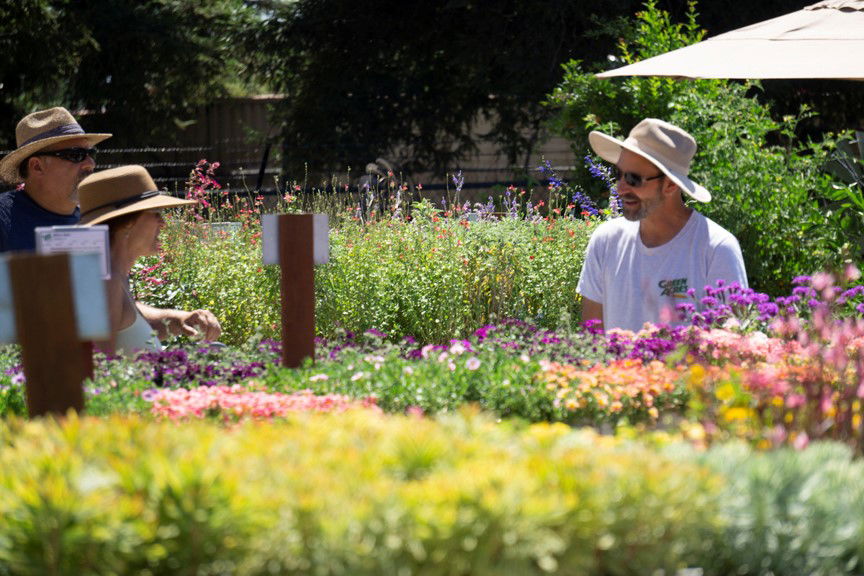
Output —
(636, 284)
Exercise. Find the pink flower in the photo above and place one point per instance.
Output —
(241, 402)
(801, 441)
(472, 363)
(795, 401)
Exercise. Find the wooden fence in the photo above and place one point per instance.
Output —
(235, 133)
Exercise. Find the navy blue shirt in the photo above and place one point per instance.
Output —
(20, 216)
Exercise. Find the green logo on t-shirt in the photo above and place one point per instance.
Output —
(676, 288)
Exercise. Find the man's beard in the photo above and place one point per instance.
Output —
(645, 207)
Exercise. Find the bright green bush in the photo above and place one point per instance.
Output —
(770, 188)
(433, 278)
(218, 271)
(355, 494)
(440, 278)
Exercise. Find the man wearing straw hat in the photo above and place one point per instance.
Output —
(52, 157)
(661, 252)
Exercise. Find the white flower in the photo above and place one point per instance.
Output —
(472, 363)
(318, 377)
(357, 376)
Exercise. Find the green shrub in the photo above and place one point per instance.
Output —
(769, 187)
(359, 493)
(433, 278)
(441, 278)
(789, 512)
(218, 271)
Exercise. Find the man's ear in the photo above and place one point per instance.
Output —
(670, 188)
(35, 165)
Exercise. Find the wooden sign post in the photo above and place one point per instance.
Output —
(296, 242)
(54, 307)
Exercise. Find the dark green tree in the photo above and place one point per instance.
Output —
(770, 186)
(363, 79)
(152, 64)
(39, 48)
(138, 69)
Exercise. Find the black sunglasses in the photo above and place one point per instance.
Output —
(631, 178)
(74, 155)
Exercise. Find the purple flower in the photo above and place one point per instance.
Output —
(458, 180)
(552, 177)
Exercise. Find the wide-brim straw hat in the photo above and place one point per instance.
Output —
(665, 145)
(125, 190)
(36, 132)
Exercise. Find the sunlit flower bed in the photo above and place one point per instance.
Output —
(778, 372)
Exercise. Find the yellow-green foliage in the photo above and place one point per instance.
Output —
(221, 272)
(349, 494)
(441, 278)
(434, 278)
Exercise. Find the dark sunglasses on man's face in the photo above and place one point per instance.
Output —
(74, 155)
(632, 179)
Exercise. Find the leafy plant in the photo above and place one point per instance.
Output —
(769, 187)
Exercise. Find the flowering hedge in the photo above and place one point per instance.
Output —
(432, 277)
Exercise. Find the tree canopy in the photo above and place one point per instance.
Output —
(360, 80)
(142, 68)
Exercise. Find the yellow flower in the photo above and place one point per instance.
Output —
(725, 392)
(737, 413)
(697, 375)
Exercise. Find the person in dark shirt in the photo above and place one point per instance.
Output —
(52, 157)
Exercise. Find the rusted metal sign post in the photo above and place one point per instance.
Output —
(296, 242)
(54, 307)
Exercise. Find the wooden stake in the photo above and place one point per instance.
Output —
(296, 238)
(51, 354)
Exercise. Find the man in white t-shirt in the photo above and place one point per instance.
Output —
(640, 266)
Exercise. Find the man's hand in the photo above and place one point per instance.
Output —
(592, 310)
(195, 324)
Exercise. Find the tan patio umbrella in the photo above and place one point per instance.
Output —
(825, 40)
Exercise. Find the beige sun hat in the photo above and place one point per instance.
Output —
(665, 145)
(118, 191)
(39, 130)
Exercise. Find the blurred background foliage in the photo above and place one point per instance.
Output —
(361, 79)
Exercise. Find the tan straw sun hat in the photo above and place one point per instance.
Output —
(39, 130)
(666, 146)
(118, 191)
